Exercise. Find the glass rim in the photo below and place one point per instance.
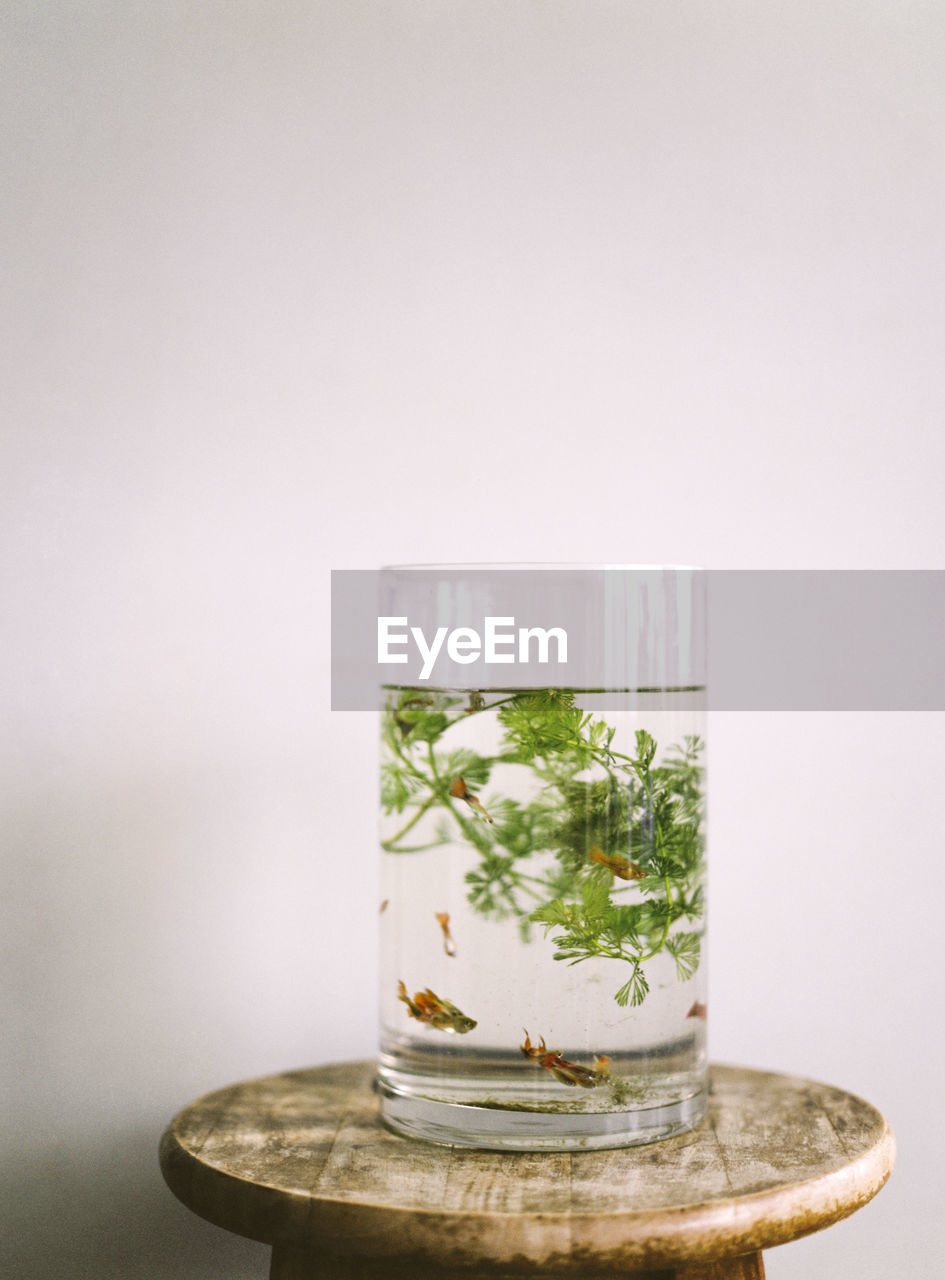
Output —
(542, 566)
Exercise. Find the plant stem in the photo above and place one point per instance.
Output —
(388, 845)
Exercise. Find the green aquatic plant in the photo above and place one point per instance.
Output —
(625, 831)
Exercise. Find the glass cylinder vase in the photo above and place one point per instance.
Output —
(542, 838)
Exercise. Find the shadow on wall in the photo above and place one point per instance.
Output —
(85, 1212)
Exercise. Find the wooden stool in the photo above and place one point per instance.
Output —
(300, 1161)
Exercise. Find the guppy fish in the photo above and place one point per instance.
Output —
(460, 791)
(621, 867)
(698, 1010)
(443, 920)
(426, 1006)
(570, 1073)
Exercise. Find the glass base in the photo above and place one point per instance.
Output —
(519, 1129)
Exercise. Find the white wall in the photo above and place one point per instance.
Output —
(299, 285)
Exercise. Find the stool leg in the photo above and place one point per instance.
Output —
(747, 1266)
(291, 1264)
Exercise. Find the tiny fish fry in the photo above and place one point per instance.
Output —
(443, 919)
(459, 791)
(698, 1010)
(426, 1006)
(404, 724)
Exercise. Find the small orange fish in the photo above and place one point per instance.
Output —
(570, 1073)
(426, 1006)
(621, 867)
(460, 791)
(443, 919)
(698, 1010)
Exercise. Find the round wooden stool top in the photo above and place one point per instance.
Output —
(300, 1161)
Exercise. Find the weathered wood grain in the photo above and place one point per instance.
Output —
(301, 1161)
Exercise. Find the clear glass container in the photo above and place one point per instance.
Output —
(543, 860)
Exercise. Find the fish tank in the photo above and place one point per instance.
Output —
(543, 853)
